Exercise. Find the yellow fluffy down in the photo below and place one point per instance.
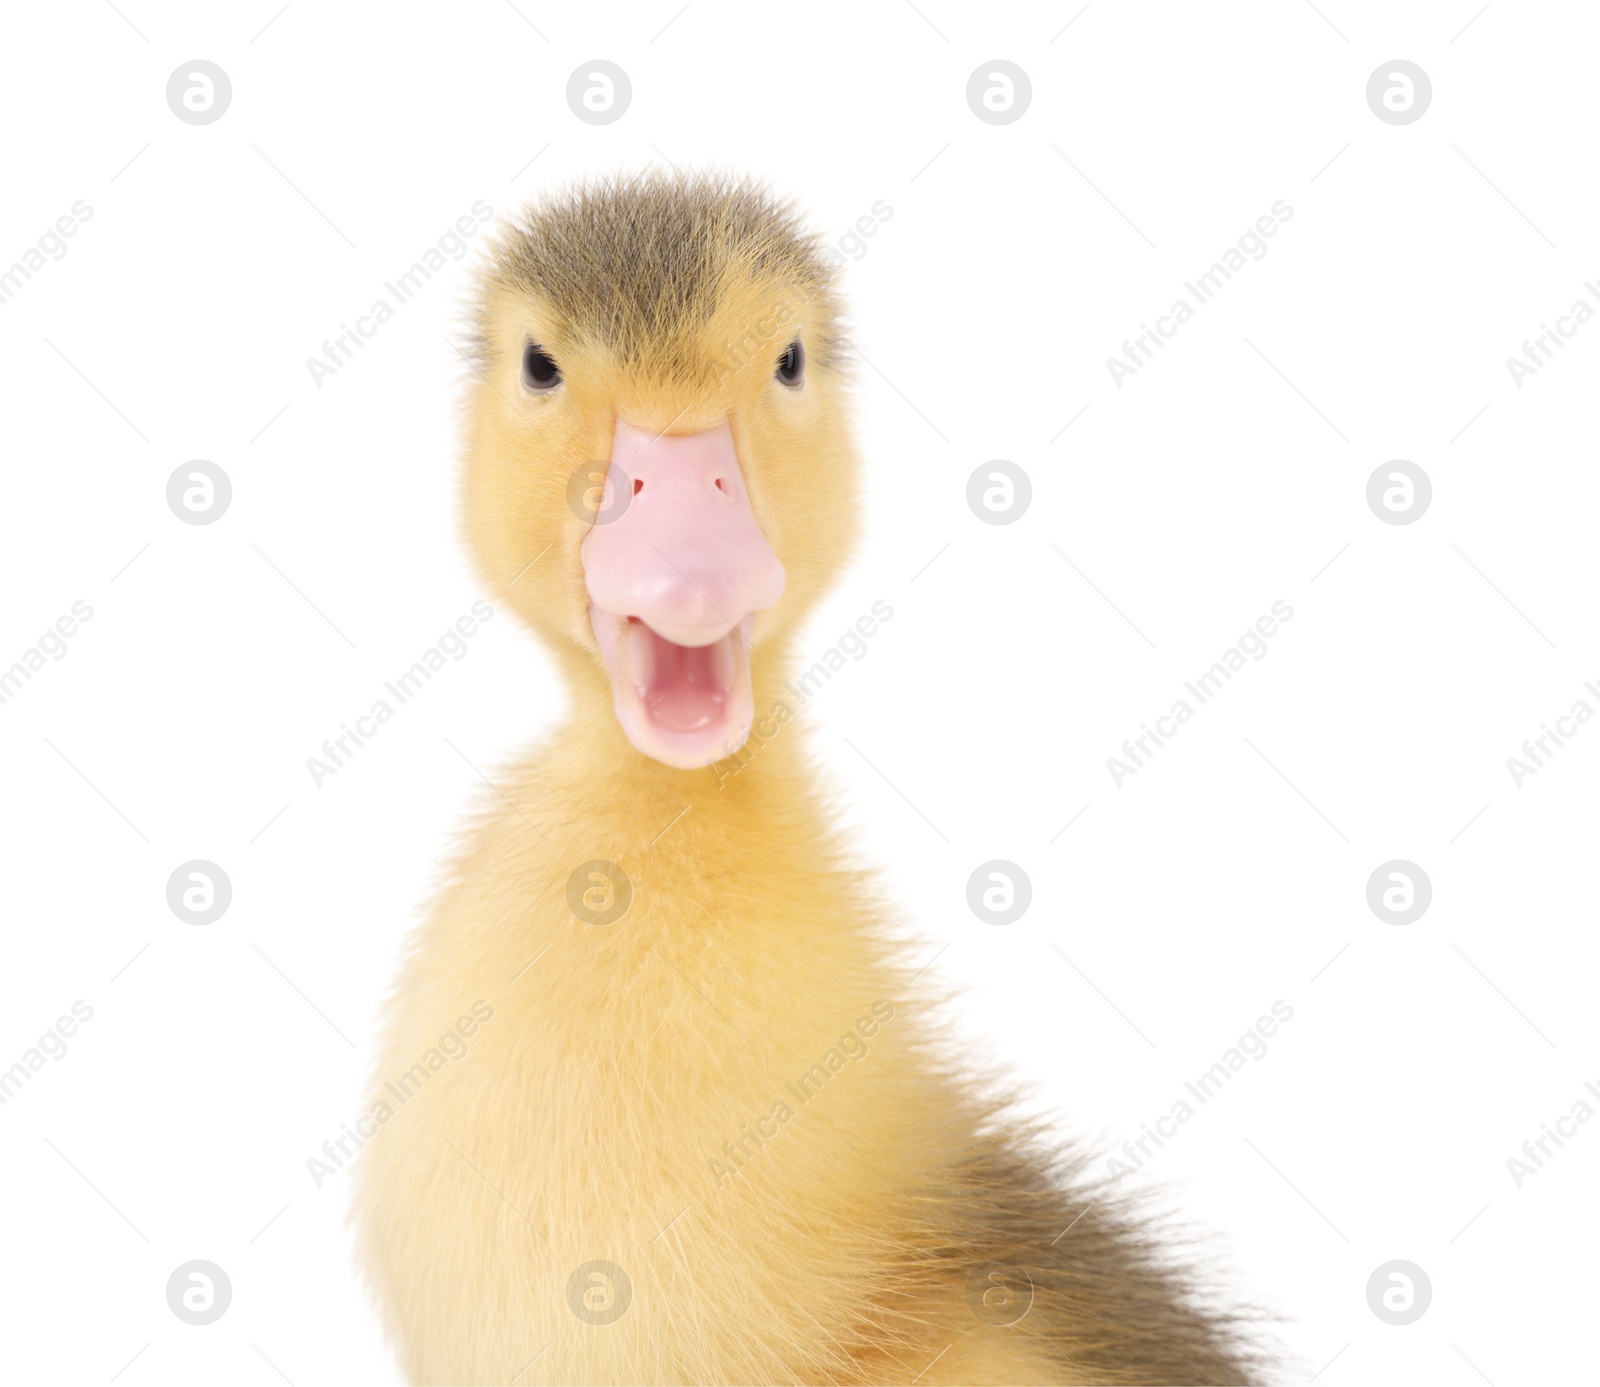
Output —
(714, 1140)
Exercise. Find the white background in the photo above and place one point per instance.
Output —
(1227, 874)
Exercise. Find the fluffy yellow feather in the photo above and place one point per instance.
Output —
(716, 1139)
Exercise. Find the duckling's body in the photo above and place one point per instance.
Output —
(731, 1095)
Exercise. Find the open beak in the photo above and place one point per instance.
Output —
(677, 567)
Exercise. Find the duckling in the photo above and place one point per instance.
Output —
(703, 1130)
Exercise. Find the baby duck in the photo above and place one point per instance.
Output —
(703, 1131)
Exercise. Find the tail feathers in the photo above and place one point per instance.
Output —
(1103, 1290)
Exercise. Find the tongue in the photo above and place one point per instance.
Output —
(684, 688)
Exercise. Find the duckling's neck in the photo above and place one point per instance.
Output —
(727, 878)
(623, 792)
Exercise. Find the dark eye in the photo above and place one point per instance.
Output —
(539, 369)
(792, 364)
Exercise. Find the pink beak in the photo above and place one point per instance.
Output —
(676, 567)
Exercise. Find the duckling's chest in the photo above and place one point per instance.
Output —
(700, 1079)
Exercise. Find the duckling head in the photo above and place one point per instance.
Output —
(660, 477)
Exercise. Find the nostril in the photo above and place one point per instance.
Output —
(721, 485)
(638, 486)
